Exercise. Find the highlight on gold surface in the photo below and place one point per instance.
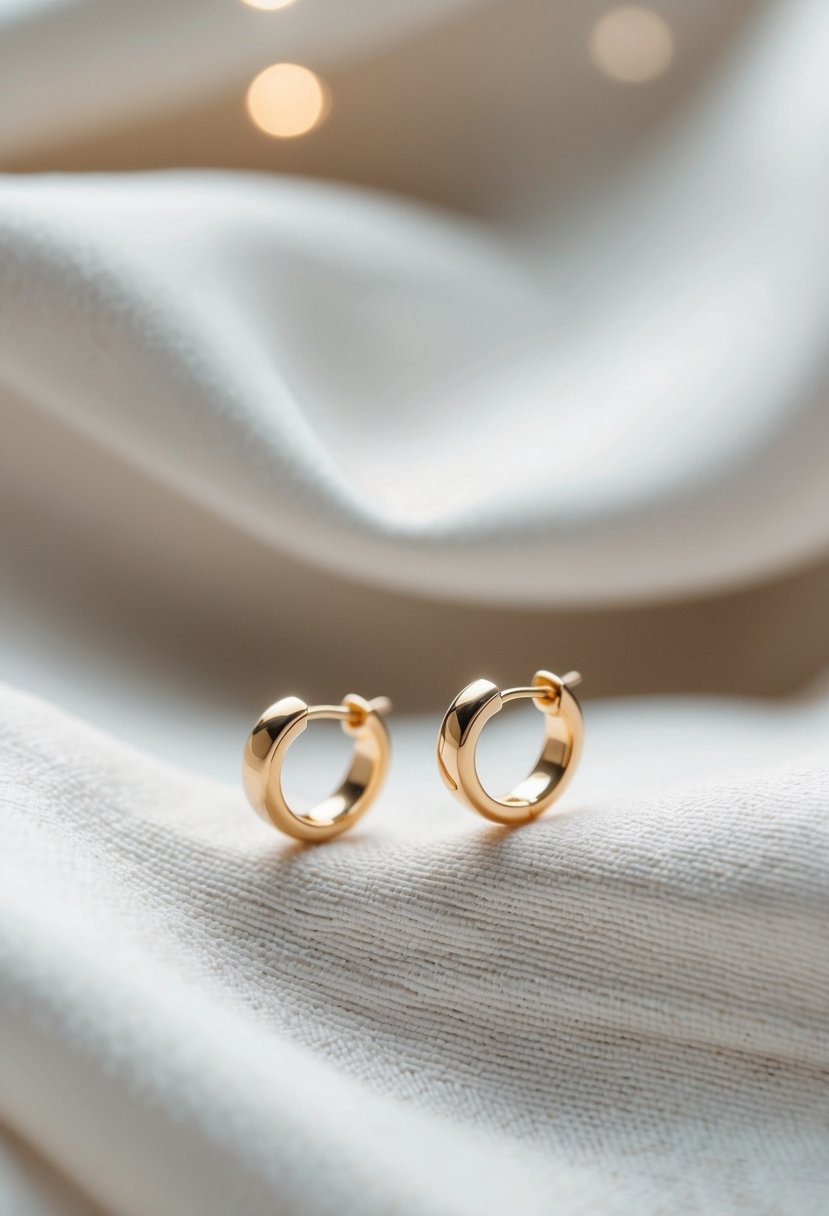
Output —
(563, 734)
(279, 726)
(268, 6)
(632, 44)
(287, 100)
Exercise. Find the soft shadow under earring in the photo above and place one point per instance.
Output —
(563, 734)
(274, 733)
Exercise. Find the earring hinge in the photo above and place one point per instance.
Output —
(542, 692)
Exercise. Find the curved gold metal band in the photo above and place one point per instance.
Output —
(276, 730)
(564, 731)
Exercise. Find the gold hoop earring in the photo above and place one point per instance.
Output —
(563, 735)
(274, 733)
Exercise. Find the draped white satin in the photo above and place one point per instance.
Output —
(411, 399)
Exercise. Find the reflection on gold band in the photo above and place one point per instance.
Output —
(274, 733)
(564, 731)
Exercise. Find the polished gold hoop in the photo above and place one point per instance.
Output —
(563, 734)
(274, 733)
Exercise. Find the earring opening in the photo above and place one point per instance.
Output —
(278, 727)
(563, 737)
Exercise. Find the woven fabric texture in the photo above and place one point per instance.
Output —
(620, 1008)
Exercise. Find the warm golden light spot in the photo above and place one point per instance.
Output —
(632, 44)
(287, 100)
(268, 6)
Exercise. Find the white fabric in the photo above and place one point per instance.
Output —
(208, 379)
(330, 371)
(329, 395)
(621, 1009)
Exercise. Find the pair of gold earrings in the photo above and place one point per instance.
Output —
(458, 737)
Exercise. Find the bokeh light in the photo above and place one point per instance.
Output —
(268, 6)
(287, 100)
(632, 44)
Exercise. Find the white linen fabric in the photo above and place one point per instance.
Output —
(208, 379)
(620, 1009)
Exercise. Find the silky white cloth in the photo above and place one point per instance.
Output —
(208, 379)
(623, 400)
(360, 384)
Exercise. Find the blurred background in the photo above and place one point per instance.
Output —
(584, 139)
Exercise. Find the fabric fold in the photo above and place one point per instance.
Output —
(585, 1012)
(330, 371)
